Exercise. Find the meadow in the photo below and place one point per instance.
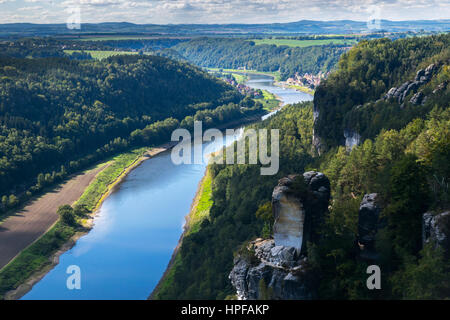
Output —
(99, 55)
(304, 43)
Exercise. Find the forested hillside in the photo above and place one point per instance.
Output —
(408, 167)
(354, 97)
(236, 53)
(58, 115)
(238, 192)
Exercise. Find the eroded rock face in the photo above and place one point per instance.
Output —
(436, 229)
(352, 139)
(316, 141)
(274, 272)
(417, 98)
(297, 217)
(422, 77)
(289, 216)
(368, 220)
(277, 268)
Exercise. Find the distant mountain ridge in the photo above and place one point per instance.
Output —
(302, 26)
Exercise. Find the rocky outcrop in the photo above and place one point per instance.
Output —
(298, 214)
(316, 141)
(273, 272)
(417, 98)
(277, 268)
(436, 229)
(368, 221)
(440, 87)
(423, 76)
(352, 139)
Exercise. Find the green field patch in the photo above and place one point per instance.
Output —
(239, 77)
(304, 43)
(275, 75)
(269, 101)
(99, 55)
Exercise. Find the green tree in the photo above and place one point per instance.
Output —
(5, 201)
(67, 215)
(427, 278)
(13, 201)
(409, 198)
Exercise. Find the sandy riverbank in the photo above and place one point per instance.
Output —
(88, 222)
(25, 287)
(23, 228)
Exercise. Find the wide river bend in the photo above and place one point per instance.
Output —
(138, 226)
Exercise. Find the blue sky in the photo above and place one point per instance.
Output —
(219, 11)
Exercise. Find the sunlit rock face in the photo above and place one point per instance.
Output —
(297, 216)
(352, 139)
(289, 217)
(278, 268)
(436, 229)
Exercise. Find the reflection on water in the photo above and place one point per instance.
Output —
(135, 232)
(138, 226)
(287, 96)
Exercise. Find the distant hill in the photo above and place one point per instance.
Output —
(303, 26)
(55, 111)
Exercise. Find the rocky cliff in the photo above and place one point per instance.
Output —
(277, 268)
(423, 76)
(353, 129)
(436, 229)
(368, 223)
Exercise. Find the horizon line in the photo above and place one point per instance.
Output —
(221, 24)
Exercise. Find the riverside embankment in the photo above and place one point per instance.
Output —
(138, 226)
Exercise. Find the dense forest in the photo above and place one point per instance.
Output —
(237, 53)
(59, 115)
(238, 192)
(352, 99)
(407, 166)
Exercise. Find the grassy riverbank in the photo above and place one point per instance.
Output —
(269, 101)
(198, 214)
(302, 89)
(275, 75)
(39, 257)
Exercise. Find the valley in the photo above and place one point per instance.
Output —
(356, 120)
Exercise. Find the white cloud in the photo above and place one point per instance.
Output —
(233, 11)
(33, 8)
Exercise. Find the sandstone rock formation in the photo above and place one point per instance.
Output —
(436, 229)
(352, 139)
(368, 220)
(423, 76)
(277, 268)
(277, 273)
(297, 216)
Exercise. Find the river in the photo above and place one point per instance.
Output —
(138, 226)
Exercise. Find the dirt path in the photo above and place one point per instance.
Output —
(20, 230)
